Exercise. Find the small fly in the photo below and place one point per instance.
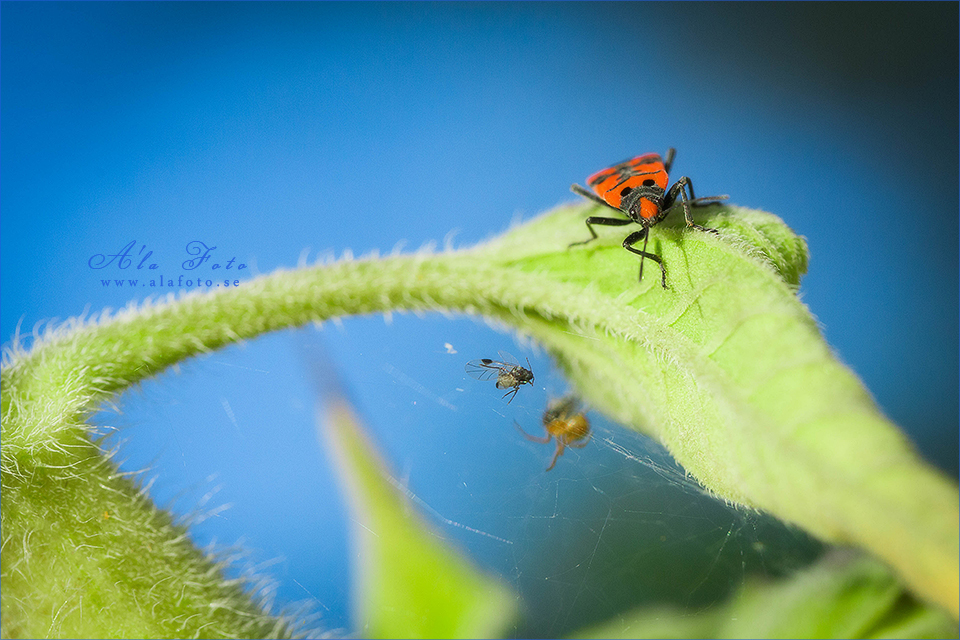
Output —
(510, 375)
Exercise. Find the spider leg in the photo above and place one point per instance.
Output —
(581, 444)
(543, 440)
(557, 454)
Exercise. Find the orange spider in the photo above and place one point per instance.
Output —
(564, 421)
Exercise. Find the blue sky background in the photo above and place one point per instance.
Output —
(271, 129)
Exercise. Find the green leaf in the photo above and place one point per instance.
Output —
(726, 368)
(86, 555)
(410, 583)
(729, 371)
(842, 596)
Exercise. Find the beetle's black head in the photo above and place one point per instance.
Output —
(632, 198)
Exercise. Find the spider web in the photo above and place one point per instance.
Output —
(614, 526)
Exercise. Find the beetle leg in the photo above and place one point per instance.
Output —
(589, 195)
(680, 188)
(592, 220)
(607, 222)
(705, 201)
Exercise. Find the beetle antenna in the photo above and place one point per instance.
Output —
(643, 255)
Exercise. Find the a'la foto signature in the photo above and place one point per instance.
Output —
(124, 259)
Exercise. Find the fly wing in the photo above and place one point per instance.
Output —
(483, 369)
(508, 359)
